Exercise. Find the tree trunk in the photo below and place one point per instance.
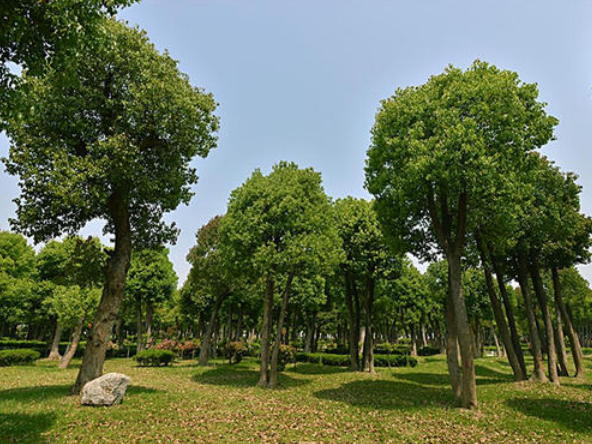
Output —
(54, 353)
(310, 331)
(498, 350)
(266, 332)
(139, 325)
(239, 325)
(149, 315)
(499, 273)
(69, 355)
(560, 342)
(229, 323)
(500, 319)
(413, 340)
(369, 338)
(353, 335)
(541, 295)
(469, 385)
(535, 341)
(116, 272)
(273, 381)
(204, 349)
(572, 335)
(452, 351)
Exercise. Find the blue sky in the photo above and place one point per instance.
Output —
(302, 80)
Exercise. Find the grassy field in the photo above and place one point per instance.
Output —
(187, 403)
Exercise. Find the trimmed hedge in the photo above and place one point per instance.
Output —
(387, 348)
(18, 357)
(428, 350)
(155, 358)
(234, 352)
(343, 361)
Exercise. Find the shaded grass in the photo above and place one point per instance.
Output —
(220, 403)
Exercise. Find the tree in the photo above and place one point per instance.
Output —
(151, 281)
(276, 227)
(108, 136)
(441, 154)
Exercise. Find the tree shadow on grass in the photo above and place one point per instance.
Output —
(388, 395)
(483, 377)
(233, 376)
(573, 415)
(316, 369)
(24, 427)
(48, 392)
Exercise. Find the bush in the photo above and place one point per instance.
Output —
(155, 357)
(18, 357)
(428, 350)
(254, 349)
(287, 355)
(387, 348)
(338, 351)
(168, 344)
(343, 361)
(234, 351)
(190, 346)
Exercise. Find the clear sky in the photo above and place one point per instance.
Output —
(302, 80)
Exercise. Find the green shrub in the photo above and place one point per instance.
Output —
(428, 350)
(287, 356)
(387, 348)
(234, 352)
(394, 361)
(254, 349)
(18, 357)
(155, 357)
(343, 361)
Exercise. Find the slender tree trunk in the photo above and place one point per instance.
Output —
(498, 350)
(469, 385)
(572, 335)
(149, 315)
(266, 333)
(139, 325)
(535, 341)
(369, 338)
(560, 342)
(204, 350)
(500, 319)
(499, 273)
(310, 332)
(544, 304)
(414, 340)
(353, 335)
(239, 325)
(273, 380)
(452, 351)
(69, 355)
(116, 272)
(54, 353)
(229, 323)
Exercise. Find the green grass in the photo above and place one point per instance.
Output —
(187, 403)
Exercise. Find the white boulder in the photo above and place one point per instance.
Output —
(107, 390)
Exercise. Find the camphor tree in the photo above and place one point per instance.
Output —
(441, 153)
(110, 135)
(151, 281)
(276, 227)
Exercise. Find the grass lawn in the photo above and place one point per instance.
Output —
(187, 403)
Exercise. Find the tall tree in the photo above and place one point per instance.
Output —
(110, 136)
(441, 153)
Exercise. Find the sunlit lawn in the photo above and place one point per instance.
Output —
(187, 403)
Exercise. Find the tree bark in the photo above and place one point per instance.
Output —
(541, 295)
(353, 334)
(204, 349)
(149, 315)
(116, 272)
(572, 335)
(273, 380)
(452, 352)
(139, 325)
(266, 333)
(239, 325)
(369, 338)
(500, 319)
(560, 342)
(535, 341)
(54, 353)
(69, 355)
(413, 340)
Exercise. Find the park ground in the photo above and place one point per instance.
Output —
(220, 403)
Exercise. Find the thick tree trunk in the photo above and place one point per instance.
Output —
(535, 341)
(541, 295)
(69, 355)
(369, 339)
(273, 380)
(54, 352)
(149, 316)
(560, 343)
(572, 335)
(414, 340)
(353, 335)
(452, 352)
(204, 350)
(266, 333)
(139, 325)
(116, 272)
(469, 385)
(500, 319)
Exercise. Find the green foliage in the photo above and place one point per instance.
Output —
(234, 352)
(344, 361)
(117, 120)
(392, 349)
(151, 277)
(155, 358)
(287, 356)
(428, 350)
(18, 357)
